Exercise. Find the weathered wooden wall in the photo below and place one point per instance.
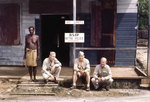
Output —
(13, 55)
(126, 34)
(149, 44)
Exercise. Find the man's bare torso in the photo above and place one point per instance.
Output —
(32, 41)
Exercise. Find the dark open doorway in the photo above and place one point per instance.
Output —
(53, 29)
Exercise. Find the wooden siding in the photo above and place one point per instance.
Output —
(126, 37)
(149, 44)
(13, 55)
(127, 6)
(86, 28)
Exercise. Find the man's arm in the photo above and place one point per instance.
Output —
(87, 67)
(95, 74)
(44, 67)
(57, 63)
(38, 47)
(25, 47)
(109, 74)
(76, 66)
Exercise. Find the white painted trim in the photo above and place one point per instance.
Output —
(127, 6)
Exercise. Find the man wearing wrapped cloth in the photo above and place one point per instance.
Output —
(32, 52)
(81, 70)
(51, 68)
(102, 76)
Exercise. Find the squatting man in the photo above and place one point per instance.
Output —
(51, 68)
(81, 70)
(102, 76)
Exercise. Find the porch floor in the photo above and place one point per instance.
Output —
(66, 72)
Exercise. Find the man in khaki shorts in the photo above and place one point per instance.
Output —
(32, 52)
(51, 68)
(81, 70)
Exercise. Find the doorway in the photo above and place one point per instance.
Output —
(53, 28)
(104, 28)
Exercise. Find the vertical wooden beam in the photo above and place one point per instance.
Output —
(74, 27)
(148, 69)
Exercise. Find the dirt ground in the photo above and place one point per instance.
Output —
(79, 93)
(7, 86)
(142, 56)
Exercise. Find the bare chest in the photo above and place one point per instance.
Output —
(32, 39)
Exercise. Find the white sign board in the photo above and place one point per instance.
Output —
(74, 22)
(74, 38)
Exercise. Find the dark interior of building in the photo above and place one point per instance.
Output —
(53, 29)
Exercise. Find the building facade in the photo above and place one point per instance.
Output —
(108, 24)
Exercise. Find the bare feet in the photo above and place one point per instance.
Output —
(31, 80)
(35, 80)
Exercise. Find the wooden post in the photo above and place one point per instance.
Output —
(148, 69)
(74, 28)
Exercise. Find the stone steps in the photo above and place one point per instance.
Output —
(37, 85)
(145, 83)
(34, 88)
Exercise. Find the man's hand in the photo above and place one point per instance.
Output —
(81, 71)
(52, 69)
(38, 57)
(25, 62)
(99, 79)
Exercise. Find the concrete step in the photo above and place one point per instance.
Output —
(37, 85)
(39, 82)
(145, 85)
(35, 94)
(145, 81)
(33, 91)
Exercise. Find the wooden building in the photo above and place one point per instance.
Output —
(108, 24)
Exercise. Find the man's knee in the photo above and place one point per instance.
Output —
(87, 73)
(110, 81)
(45, 76)
(93, 80)
(75, 72)
(59, 68)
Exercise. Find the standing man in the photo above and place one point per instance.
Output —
(32, 52)
(102, 76)
(81, 70)
(51, 68)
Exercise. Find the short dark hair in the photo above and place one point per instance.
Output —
(31, 27)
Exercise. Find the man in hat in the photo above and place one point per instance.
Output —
(32, 52)
(102, 76)
(51, 68)
(81, 70)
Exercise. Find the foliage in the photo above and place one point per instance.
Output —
(143, 14)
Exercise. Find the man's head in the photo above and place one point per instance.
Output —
(31, 29)
(52, 56)
(81, 56)
(103, 62)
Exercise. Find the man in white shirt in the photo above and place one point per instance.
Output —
(102, 76)
(81, 70)
(51, 68)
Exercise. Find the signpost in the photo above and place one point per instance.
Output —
(81, 22)
(74, 38)
(74, 27)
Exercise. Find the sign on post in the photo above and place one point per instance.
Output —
(81, 22)
(74, 38)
